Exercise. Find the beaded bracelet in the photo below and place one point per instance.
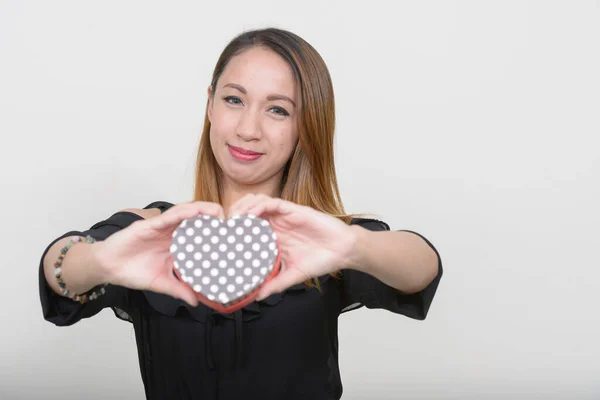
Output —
(92, 294)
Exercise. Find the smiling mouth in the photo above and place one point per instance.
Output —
(243, 154)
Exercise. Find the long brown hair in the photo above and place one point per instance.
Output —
(309, 177)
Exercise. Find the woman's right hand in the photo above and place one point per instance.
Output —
(139, 256)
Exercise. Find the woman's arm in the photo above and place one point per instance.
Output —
(81, 267)
(399, 259)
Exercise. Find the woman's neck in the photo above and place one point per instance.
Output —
(234, 191)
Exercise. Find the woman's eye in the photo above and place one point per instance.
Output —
(280, 111)
(233, 100)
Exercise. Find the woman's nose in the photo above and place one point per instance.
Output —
(248, 127)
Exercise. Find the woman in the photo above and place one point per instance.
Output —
(266, 149)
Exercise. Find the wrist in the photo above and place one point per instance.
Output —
(82, 276)
(97, 265)
(357, 257)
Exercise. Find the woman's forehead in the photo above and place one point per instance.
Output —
(260, 71)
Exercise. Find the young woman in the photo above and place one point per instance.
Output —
(266, 149)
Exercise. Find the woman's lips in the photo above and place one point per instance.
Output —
(243, 154)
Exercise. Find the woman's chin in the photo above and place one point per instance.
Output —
(243, 179)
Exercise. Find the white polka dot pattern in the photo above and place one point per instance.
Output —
(224, 260)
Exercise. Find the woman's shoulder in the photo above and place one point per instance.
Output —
(370, 223)
(160, 205)
(151, 210)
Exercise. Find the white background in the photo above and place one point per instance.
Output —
(473, 123)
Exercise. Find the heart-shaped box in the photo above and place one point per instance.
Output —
(225, 261)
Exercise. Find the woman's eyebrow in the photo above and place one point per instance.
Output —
(270, 97)
(236, 86)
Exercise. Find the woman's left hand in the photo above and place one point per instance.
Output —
(311, 243)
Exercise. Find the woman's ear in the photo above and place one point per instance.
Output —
(209, 105)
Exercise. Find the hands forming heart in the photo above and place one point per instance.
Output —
(267, 246)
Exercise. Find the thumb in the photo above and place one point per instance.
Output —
(173, 287)
(280, 282)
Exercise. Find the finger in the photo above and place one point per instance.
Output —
(198, 207)
(271, 206)
(174, 217)
(281, 282)
(175, 288)
(239, 207)
(208, 208)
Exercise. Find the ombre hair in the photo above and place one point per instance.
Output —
(309, 177)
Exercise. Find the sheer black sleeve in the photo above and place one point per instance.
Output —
(361, 289)
(63, 311)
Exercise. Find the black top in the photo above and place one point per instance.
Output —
(283, 347)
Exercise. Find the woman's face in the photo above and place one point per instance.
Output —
(253, 115)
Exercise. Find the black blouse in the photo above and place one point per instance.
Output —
(283, 347)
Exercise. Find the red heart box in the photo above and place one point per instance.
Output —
(225, 261)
